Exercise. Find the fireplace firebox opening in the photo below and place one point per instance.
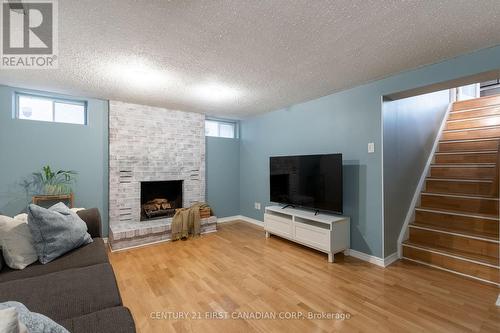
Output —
(160, 199)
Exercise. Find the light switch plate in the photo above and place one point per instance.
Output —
(371, 147)
(257, 205)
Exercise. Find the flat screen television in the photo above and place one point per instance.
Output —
(309, 181)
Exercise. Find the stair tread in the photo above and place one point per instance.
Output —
(477, 117)
(460, 195)
(497, 138)
(464, 165)
(458, 180)
(469, 140)
(467, 147)
(473, 123)
(457, 212)
(455, 194)
(477, 108)
(462, 172)
(464, 233)
(450, 192)
(471, 128)
(463, 151)
(466, 152)
(456, 253)
(465, 158)
(476, 103)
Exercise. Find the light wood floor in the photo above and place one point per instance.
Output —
(238, 271)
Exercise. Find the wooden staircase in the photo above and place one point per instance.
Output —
(456, 225)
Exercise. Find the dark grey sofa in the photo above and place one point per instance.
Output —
(77, 290)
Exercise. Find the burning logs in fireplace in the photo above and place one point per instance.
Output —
(158, 208)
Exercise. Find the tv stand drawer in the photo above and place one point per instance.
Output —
(277, 224)
(316, 237)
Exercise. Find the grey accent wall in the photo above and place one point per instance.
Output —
(223, 175)
(410, 129)
(342, 122)
(26, 146)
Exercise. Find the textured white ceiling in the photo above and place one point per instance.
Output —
(274, 53)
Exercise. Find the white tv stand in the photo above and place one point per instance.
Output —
(324, 232)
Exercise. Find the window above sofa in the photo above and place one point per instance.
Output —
(50, 109)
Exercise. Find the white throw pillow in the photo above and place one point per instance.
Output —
(9, 322)
(22, 216)
(17, 244)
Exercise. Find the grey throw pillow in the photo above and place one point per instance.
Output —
(56, 231)
(33, 321)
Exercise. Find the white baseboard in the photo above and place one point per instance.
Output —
(105, 240)
(498, 301)
(241, 218)
(390, 259)
(365, 257)
(253, 221)
(228, 219)
(373, 259)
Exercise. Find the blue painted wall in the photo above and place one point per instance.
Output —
(223, 175)
(410, 129)
(342, 122)
(336, 123)
(26, 146)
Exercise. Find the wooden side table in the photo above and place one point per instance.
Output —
(37, 199)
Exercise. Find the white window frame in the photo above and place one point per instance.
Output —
(54, 100)
(225, 122)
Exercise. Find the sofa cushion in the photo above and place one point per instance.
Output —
(65, 294)
(92, 218)
(111, 320)
(87, 255)
(56, 231)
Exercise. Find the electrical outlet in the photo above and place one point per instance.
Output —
(371, 147)
(257, 205)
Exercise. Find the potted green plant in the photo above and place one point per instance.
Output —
(48, 182)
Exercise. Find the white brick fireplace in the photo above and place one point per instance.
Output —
(151, 144)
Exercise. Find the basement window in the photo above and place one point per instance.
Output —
(49, 109)
(221, 129)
